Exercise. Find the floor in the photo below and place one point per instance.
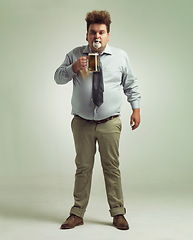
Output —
(34, 208)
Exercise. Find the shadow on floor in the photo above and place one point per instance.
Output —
(19, 212)
(16, 211)
(98, 222)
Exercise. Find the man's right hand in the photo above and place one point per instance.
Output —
(80, 64)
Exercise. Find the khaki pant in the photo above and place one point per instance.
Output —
(85, 137)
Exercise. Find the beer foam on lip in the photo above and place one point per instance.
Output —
(97, 43)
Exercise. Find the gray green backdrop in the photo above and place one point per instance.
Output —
(35, 133)
(35, 112)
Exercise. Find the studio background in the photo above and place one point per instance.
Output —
(37, 151)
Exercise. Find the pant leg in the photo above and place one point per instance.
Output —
(108, 135)
(85, 145)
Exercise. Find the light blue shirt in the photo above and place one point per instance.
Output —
(118, 76)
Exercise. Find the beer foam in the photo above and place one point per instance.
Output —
(96, 44)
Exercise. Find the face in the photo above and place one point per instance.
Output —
(97, 32)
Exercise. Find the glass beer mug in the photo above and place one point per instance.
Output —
(93, 62)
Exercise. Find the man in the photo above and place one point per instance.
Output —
(96, 115)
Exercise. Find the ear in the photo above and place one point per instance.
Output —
(87, 37)
(108, 35)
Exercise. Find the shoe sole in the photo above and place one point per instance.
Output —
(78, 224)
(121, 228)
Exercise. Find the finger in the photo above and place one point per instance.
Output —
(84, 59)
(83, 66)
(84, 62)
(136, 125)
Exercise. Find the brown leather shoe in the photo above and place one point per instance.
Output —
(72, 221)
(120, 222)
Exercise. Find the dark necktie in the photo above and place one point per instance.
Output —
(98, 86)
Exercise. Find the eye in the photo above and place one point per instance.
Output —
(101, 32)
(92, 32)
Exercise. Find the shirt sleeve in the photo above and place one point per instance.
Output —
(130, 84)
(65, 72)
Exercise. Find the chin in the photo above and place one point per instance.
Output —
(95, 49)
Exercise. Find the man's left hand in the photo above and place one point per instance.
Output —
(135, 118)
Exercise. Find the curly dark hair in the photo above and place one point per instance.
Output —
(101, 17)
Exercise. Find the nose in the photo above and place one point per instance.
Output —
(97, 35)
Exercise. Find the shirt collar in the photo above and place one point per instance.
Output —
(87, 49)
(107, 50)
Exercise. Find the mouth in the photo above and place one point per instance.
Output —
(97, 43)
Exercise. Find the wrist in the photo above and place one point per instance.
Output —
(136, 110)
